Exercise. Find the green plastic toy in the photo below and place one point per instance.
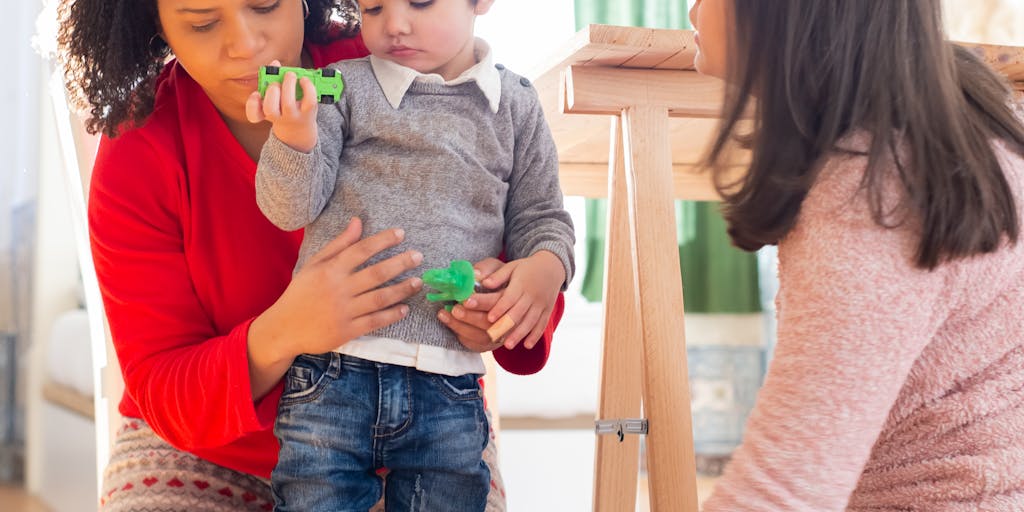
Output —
(327, 81)
(453, 284)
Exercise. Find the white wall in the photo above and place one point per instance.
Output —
(985, 21)
(522, 32)
(17, 192)
(17, 136)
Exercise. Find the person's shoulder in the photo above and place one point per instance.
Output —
(514, 83)
(151, 144)
(518, 93)
(842, 192)
(837, 184)
(161, 127)
(1011, 161)
(136, 158)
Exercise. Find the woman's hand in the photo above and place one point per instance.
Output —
(294, 120)
(469, 320)
(330, 302)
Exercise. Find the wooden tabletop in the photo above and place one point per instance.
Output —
(583, 140)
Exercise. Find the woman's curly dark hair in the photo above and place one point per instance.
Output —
(112, 55)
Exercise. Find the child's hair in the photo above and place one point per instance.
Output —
(821, 70)
(112, 55)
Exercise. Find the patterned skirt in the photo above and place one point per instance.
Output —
(145, 474)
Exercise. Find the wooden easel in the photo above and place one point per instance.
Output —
(644, 348)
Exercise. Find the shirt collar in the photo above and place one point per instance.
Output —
(395, 79)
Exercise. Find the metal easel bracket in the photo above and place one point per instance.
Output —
(621, 427)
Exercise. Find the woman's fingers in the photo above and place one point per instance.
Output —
(476, 319)
(472, 337)
(481, 302)
(383, 271)
(379, 297)
(361, 251)
(378, 319)
(348, 236)
(343, 255)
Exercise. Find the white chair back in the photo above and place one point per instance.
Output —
(79, 150)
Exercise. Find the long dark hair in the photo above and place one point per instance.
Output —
(112, 55)
(821, 70)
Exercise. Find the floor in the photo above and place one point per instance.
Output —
(14, 499)
(643, 501)
(554, 470)
(536, 479)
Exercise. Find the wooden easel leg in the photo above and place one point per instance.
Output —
(616, 462)
(666, 395)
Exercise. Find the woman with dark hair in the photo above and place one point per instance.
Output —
(197, 285)
(886, 163)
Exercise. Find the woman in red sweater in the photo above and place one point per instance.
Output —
(197, 285)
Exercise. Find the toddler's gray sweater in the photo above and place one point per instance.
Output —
(462, 181)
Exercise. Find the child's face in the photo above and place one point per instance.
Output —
(430, 36)
(711, 18)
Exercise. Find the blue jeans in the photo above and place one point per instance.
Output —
(341, 419)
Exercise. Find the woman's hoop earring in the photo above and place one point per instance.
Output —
(305, 9)
(157, 46)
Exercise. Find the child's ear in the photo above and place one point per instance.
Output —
(482, 6)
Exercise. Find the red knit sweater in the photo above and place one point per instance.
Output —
(186, 260)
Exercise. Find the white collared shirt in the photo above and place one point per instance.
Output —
(395, 79)
(427, 358)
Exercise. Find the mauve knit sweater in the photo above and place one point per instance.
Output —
(892, 388)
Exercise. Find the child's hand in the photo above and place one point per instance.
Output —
(294, 121)
(531, 287)
(469, 320)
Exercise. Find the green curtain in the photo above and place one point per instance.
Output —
(719, 278)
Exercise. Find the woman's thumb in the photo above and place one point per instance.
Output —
(350, 235)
